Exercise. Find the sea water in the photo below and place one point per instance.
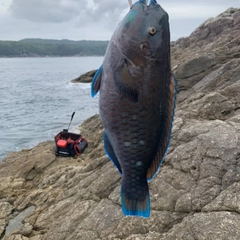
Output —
(37, 99)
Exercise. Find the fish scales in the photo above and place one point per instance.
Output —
(137, 101)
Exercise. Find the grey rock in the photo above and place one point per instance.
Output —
(5, 209)
(3, 224)
(192, 70)
(206, 226)
(85, 78)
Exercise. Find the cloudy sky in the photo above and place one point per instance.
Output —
(95, 19)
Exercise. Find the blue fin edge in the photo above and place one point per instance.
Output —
(105, 149)
(93, 93)
(140, 213)
(170, 134)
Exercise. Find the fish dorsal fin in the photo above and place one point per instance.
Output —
(125, 83)
(96, 82)
(164, 141)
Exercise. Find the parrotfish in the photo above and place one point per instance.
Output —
(137, 101)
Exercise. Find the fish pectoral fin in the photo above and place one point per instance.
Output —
(110, 152)
(166, 129)
(125, 83)
(96, 82)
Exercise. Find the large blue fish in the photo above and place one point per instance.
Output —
(137, 101)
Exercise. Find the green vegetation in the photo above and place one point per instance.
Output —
(43, 47)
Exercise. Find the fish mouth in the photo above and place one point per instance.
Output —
(152, 2)
(144, 1)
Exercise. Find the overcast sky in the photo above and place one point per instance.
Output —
(95, 19)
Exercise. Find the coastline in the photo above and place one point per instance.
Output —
(38, 98)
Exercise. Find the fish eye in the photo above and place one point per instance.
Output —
(152, 30)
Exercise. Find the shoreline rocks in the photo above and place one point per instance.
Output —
(196, 193)
(85, 78)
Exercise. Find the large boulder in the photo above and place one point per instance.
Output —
(212, 44)
(196, 193)
(85, 78)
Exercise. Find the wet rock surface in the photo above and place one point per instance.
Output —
(195, 195)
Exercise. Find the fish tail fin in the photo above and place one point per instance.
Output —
(134, 205)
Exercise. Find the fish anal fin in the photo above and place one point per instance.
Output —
(164, 141)
(96, 82)
(110, 152)
(125, 84)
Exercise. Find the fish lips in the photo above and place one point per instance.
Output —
(152, 2)
(144, 3)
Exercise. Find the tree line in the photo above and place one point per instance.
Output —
(44, 47)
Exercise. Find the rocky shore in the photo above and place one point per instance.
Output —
(195, 195)
(85, 78)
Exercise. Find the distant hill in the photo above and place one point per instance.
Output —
(32, 47)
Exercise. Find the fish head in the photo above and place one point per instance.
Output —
(144, 28)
